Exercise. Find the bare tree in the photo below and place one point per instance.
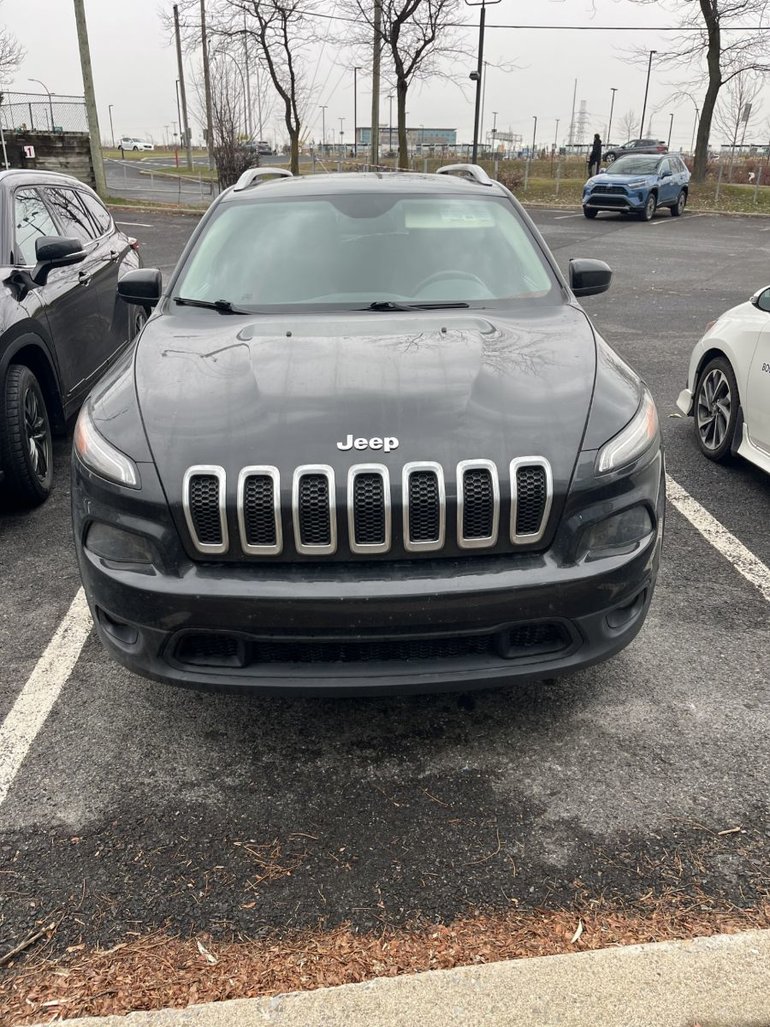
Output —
(628, 124)
(416, 35)
(737, 106)
(720, 40)
(11, 54)
(282, 31)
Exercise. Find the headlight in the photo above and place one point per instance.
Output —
(637, 185)
(100, 457)
(629, 444)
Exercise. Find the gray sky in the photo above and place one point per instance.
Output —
(135, 70)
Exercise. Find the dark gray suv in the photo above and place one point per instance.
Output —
(635, 146)
(368, 441)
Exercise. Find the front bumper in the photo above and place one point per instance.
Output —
(614, 201)
(420, 625)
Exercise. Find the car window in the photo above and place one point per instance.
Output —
(353, 250)
(75, 222)
(665, 165)
(634, 164)
(97, 212)
(32, 221)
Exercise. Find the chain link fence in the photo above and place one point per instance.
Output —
(39, 112)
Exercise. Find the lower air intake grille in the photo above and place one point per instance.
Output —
(369, 509)
(259, 510)
(313, 510)
(211, 650)
(205, 510)
(531, 496)
(478, 503)
(424, 507)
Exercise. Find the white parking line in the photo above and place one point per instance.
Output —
(133, 224)
(36, 699)
(744, 561)
(562, 217)
(668, 221)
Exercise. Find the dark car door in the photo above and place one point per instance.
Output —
(114, 246)
(65, 303)
(97, 276)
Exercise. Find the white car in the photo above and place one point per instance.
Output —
(129, 143)
(728, 385)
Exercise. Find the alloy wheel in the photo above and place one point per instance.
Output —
(38, 438)
(713, 409)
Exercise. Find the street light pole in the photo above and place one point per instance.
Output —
(477, 75)
(323, 129)
(694, 127)
(112, 130)
(494, 132)
(342, 135)
(356, 70)
(612, 108)
(670, 128)
(534, 134)
(646, 90)
(556, 137)
(50, 101)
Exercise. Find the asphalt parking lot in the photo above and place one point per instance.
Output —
(139, 807)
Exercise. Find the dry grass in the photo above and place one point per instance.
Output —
(159, 969)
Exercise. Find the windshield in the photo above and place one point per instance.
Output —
(352, 251)
(642, 164)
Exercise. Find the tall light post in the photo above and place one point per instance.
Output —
(477, 75)
(342, 136)
(112, 130)
(494, 131)
(646, 90)
(390, 123)
(556, 137)
(670, 129)
(534, 134)
(613, 90)
(323, 129)
(50, 94)
(694, 127)
(356, 70)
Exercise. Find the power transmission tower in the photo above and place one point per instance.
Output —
(90, 97)
(581, 126)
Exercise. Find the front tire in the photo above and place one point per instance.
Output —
(649, 208)
(25, 439)
(678, 208)
(716, 409)
(589, 212)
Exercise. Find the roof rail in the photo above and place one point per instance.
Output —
(253, 175)
(472, 171)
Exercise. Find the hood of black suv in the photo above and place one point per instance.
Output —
(230, 392)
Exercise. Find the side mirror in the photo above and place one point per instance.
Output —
(761, 299)
(665, 174)
(53, 251)
(588, 277)
(142, 286)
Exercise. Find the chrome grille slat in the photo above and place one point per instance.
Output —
(531, 498)
(204, 503)
(478, 504)
(314, 510)
(424, 504)
(259, 510)
(369, 508)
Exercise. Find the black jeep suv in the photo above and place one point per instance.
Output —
(367, 441)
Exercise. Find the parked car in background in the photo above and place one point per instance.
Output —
(264, 148)
(728, 384)
(62, 258)
(130, 143)
(368, 442)
(639, 184)
(634, 146)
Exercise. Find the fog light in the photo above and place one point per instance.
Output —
(118, 545)
(619, 531)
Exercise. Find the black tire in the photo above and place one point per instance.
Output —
(715, 409)
(649, 208)
(589, 212)
(25, 439)
(678, 208)
(137, 319)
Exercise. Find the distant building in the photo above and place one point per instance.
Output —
(417, 138)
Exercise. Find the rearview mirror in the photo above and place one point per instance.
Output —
(761, 299)
(54, 251)
(142, 286)
(588, 277)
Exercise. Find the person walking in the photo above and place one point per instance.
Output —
(595, 156)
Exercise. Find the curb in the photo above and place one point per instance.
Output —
(721, 981)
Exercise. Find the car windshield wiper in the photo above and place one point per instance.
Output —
(223, 306)
(437, 305)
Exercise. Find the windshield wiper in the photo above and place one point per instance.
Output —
(437, 305)
(223, 306)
